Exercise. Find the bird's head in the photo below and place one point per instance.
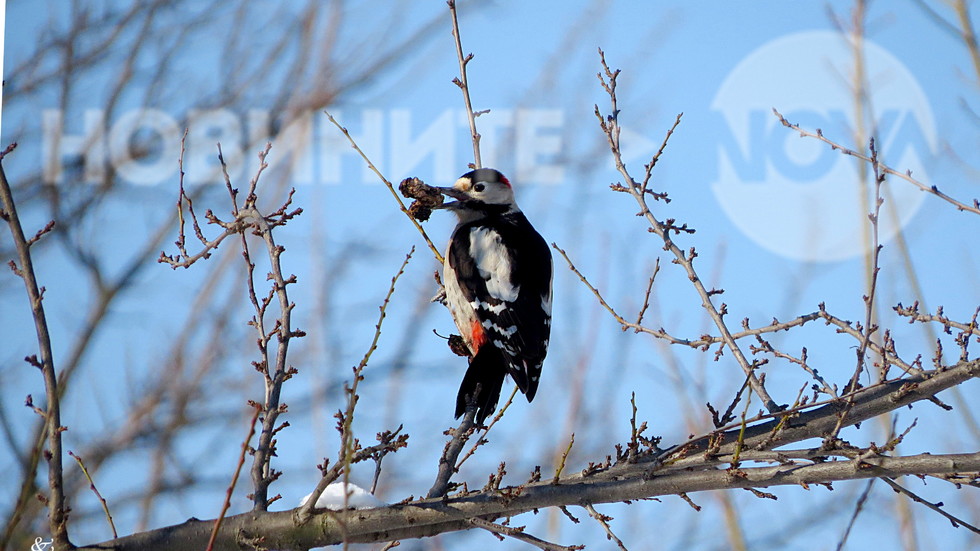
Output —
(483, 190)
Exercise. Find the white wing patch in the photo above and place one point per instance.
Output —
(493, 263)
(495, 309)
(506, 333)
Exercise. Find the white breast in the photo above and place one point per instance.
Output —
(493, 263)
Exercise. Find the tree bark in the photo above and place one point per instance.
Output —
(698, 465)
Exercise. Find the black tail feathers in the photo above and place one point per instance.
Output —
(488, 370)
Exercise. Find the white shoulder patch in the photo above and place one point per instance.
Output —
(493, 263)
(546, 302)
(546, 298)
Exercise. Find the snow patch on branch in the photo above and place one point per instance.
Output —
(333, 498)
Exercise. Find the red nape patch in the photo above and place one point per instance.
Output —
(505, 181)
(477, 335)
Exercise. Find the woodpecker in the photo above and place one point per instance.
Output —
(497, 273)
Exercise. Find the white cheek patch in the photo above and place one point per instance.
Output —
(493, 263)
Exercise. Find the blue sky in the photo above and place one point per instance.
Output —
(779, 224)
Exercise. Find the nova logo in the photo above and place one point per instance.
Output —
(797, 197)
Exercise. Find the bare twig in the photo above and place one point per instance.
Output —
(766, 346)
(350, 451)
(91, 483)
(912, 312)
(184, 259)
(275, 372)
(57, 509)
(385, 438)
(232, 192)
(869, 323)
(108, 290)
(10, 147)
(705, 341)
(482, 439)
(347, 440)
(463, 84)
(741, 432)
(869, 316)
(273, 367)
(687, 499)
(858, 507)
(968, 33)
(234, 479)
(564, 458)
(646, 295)
(610, 126)
(844, 326)
(907, 175)
(604, 521)
(519, 534)
(391, 188)
(937, 507)
(633, 447)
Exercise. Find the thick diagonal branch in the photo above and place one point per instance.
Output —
(686, 468)
(434, 516)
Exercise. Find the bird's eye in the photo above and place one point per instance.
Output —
(479, 187)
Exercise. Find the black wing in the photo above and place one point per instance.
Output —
(512, 299)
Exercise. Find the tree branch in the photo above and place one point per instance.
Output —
(610, 126)
(390, 186)
(907, 175)
(690, 467)
(57, 510)
(435, 516)
(463, 84)
(447, 463)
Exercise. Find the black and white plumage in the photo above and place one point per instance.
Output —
(497, 274)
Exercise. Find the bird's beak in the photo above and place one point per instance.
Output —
(454, 193)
